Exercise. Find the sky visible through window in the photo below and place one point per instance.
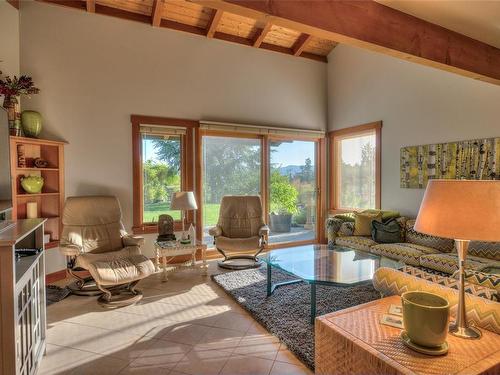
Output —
(352, 148)
(289, 153)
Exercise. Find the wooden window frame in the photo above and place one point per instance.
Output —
(187, 166)
(336, 135)
(321, 178)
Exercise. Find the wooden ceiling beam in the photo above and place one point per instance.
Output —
(301, 43)
(156, 13)
(169, 24)
(376, 27)
(261, 35)
(90, 6)
(14, 3)
(214, 22)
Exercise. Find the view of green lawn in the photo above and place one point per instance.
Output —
(153, 210)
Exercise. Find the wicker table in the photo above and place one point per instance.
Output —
(352, 341)
(168, 249)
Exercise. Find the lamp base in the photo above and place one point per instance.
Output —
(465, 332)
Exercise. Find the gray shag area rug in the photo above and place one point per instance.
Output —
(286, 312)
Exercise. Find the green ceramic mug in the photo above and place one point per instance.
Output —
(425, 318)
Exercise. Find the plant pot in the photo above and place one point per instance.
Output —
(280, 223)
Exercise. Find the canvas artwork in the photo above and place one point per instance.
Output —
(477, 159)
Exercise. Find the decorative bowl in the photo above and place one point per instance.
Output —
(32, 184)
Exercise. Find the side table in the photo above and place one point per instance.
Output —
(168, 249)
(352, 341)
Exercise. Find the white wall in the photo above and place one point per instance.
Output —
(9, 39)
(95, 71)
(418, 105)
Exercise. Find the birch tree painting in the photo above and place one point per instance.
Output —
(477, 159)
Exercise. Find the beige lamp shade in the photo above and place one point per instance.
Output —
(183, 200)
(461, 209)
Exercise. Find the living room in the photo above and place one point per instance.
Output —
(246, 99)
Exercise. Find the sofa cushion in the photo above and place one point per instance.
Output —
(449, 262)
(452, 282)
(355, 242)
(444, 245)
(363, 223)
(490, 250)
(407, 252)
(346, 229)
(480, 278)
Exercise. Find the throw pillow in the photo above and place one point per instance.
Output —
(363, 223)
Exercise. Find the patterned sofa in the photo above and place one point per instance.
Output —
(418, 249)
(481, 298)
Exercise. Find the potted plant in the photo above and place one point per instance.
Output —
(11, 89)
(283, 203)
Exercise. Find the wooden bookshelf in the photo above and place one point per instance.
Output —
(50, 200)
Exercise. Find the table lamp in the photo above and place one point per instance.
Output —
(463, 210)
(184, 201)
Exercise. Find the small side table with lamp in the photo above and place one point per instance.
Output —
(184, 201)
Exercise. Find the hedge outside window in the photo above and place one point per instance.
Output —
(162, 157)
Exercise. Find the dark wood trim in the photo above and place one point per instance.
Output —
(187, 165)
(55, 276)
(90, 6)
(14, 3)
(323, 190)
(156, 12)
(77, 4)
(198, 162)
(373, 26)
(342, 133)
(214, 22)
(301, 43)
(261, 35)
(172, 25)
(232, 38)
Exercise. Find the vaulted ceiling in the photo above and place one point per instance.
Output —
(203, 20)
(459, 38)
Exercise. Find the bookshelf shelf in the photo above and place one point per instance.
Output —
(51, 200)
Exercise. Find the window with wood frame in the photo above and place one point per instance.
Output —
(162, 165)
(355, 166)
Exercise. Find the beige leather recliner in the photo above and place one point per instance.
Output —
(94, 239)
(240, 228)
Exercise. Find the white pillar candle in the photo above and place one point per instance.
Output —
(31, 210)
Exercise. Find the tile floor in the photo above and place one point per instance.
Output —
(185, 326)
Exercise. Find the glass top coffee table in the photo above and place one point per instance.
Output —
(319, 265)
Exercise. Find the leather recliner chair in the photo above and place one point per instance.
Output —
(240, 229)
(94, 240)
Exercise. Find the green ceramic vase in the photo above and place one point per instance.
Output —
(425, 318)
(32, 123)
(32, 184)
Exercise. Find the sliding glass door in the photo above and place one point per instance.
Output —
(292, 191)
(282, 171)
(231, 166)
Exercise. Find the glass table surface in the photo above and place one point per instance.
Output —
(319, 264)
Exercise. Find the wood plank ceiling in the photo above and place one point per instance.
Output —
(184, 15)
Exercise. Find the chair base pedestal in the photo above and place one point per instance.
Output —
(86, 288)
(120, 299)
(240, 262)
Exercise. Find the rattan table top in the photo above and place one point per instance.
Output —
(361, 325)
